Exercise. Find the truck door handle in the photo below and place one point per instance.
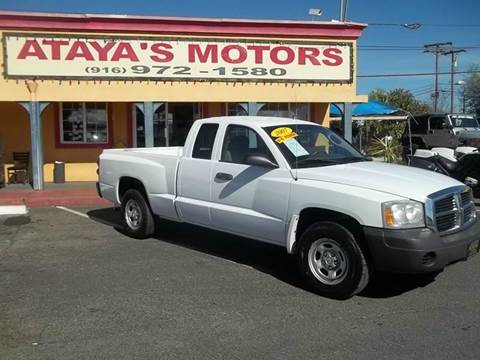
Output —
(223, 176)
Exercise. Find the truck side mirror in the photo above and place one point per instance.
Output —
(260, 160)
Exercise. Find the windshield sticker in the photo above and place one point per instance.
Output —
(283, 134)
(280, 132)
(295, 147)
(282, 139)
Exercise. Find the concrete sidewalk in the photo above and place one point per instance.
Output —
(68, 194)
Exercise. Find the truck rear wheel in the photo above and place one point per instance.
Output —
(137, 218)
(331, 261)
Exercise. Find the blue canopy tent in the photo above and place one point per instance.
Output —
(371, 108)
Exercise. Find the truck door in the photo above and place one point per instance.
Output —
(195, 177)
(249, 200)
(440, 133)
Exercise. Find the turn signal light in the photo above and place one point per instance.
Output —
(389, 220)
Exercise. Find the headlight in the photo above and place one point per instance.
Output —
(403, 214)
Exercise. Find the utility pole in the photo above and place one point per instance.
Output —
(453, 54)
(437, 49)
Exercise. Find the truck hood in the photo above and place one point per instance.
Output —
(470, 133)
(408, 182)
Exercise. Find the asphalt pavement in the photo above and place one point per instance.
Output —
(72, 287)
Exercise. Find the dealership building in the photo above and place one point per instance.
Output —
(74, 84)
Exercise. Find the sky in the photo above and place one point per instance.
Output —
(442, 21)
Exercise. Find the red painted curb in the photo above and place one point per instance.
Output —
(46, 198)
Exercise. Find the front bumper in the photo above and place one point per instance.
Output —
(418, 250)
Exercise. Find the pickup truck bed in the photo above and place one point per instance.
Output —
(158, 167)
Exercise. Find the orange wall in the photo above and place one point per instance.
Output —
(320, 114)
(212, 109)
(80, 162)
(75, 154)
(14, 130)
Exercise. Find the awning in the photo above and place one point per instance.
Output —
(371, 109)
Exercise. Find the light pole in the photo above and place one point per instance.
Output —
(343, 10)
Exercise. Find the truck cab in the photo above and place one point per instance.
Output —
(442, 130)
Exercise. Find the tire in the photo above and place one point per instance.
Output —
(331, 261)
(137, 218)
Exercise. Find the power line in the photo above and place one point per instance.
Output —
(417, 47)
(452, 25)
(417, 74)
(424, 91)
(407, 49)
(415, 26)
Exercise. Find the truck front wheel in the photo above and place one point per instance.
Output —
(137, 219)
(331, 261)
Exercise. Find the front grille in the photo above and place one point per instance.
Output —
(446, 222)
(466, 197)
(468, 214)
(454, 211)
(446, 204)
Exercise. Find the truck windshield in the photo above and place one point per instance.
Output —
(466, 122)
(312, 146)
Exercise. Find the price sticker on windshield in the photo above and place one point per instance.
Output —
(283, 134)
(296, 148)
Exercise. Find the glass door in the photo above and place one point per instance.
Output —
(183, 115)
(159, 134)
(171, 124)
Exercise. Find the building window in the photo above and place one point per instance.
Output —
(300, 111)
(288, 110)
(235, 109)
(275, 110)
(83, 123)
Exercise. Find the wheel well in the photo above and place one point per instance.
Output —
(309, 216)
(127, 183)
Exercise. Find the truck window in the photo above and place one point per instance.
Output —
(418, 125)
(438, 123)
(204, 142)
(241, 141)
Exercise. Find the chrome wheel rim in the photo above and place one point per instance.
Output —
(133, 214)
(328, 261)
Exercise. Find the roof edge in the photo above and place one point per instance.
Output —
(164, 24)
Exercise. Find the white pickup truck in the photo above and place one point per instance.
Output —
(300, 186)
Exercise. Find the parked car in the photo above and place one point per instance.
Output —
(442, 130)
(300, 186)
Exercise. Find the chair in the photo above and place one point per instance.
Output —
(21, 161)
(237, 149)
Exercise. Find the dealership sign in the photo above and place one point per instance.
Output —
(60, 57)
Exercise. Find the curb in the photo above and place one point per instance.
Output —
(13, 210)
(47, 198)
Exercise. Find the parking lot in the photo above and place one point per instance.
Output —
(72, 287)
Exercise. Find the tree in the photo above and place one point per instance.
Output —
(472, 92)
(401, 98)
(384, 136)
